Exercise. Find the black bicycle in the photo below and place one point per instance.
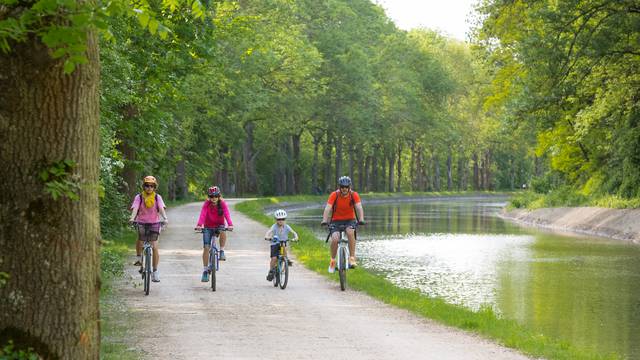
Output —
(214, 253)
(147, 252)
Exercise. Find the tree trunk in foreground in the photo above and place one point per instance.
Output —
(49, 247)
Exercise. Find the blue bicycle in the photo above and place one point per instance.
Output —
(214, 253)
(147, 251)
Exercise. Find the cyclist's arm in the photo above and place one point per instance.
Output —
(163, 214)
(227, 216)
(295, 234)
(360, 211)
(269, 234)
(326, 216)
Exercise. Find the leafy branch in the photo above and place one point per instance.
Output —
(59, 180)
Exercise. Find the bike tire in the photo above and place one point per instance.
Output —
(342, 268)
(147, 272)
(284, 272)
(276, 276)
(214, 269)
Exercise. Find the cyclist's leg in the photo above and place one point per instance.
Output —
(156, 254)
(206, 245)
(223, 239)
(352, 241)
(139, 244)
(335, 237)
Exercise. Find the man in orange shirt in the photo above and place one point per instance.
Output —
(345, 209)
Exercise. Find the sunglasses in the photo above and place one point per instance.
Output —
(344, 187)
(213, 196)
(148, 186)
(280, 219)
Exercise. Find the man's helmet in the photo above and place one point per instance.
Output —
(280, 214)
(344, 181)
(213, 191)
(150, 180)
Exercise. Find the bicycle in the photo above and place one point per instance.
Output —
(342, 256)
(147, 252)
(281, 276)
(214, 253)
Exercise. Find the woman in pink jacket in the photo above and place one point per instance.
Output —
(214, 214)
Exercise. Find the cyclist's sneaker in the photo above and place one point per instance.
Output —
(289, 262)
(352, 262)
(205, 276)
(270, 275)
(155, 277)
(222, 257)
(332, 266)
(138, 262)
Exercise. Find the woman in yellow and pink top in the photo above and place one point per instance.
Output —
(148, 211)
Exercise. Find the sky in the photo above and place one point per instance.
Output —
(447, 16)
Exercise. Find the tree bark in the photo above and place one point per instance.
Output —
(328, 183)
(181, 180)
(297, 169)
(49, 247)
(399, 182)
(249, 160)
(476, 172)
(338, 141)
(449, 170)
(314, 166)
(436, 172)
(392, 163)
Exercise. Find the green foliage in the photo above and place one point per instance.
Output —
(4, 277)
(9, 352)
(60, 181)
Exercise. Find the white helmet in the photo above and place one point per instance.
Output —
(280, 214)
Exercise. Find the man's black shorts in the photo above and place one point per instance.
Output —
(336, 225)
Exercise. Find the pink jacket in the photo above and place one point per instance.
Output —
(209, 215)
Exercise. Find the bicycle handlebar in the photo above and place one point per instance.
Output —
(221, 228)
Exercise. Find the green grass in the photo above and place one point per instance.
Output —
(115, 319)
(314, 255)
(568, 197)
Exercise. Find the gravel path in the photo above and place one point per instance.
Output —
(247, 318)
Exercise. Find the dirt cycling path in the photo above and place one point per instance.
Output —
(247, 318)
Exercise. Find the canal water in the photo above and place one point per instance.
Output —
(581, 289)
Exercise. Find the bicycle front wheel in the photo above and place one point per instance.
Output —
(283, 274)
(213, 262)
(147, 271)
(342, 268)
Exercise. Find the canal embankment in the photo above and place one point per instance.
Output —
(621, 224)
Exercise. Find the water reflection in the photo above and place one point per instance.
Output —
(581, 289)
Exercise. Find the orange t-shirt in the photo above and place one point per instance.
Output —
(343, 209)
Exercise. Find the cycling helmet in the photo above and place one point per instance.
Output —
(344, 181)
(150, 180)
(213, 191)
(280, 214)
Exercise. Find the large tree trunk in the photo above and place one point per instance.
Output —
(462, 172)
(436, 171)
(49, 247)
(328, 182)
(338, 140)
(399, 182)
(367, 174)
(129, 174)
(249, 160)
(476, 173)
(314, 166)
(297, 169)
(181, 180)
(392, 163)
(360, 159)
(449, 170)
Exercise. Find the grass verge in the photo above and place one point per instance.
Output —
(114, 316)
(313, 254)
(568, 197)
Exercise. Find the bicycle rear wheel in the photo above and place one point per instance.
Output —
(213, 262)
(283, 274)
(342, 268)
(147, 271)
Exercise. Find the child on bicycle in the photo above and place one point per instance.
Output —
(147, 210)
(214, 213)
(276, 233)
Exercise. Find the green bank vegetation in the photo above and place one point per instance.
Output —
(314, 255)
